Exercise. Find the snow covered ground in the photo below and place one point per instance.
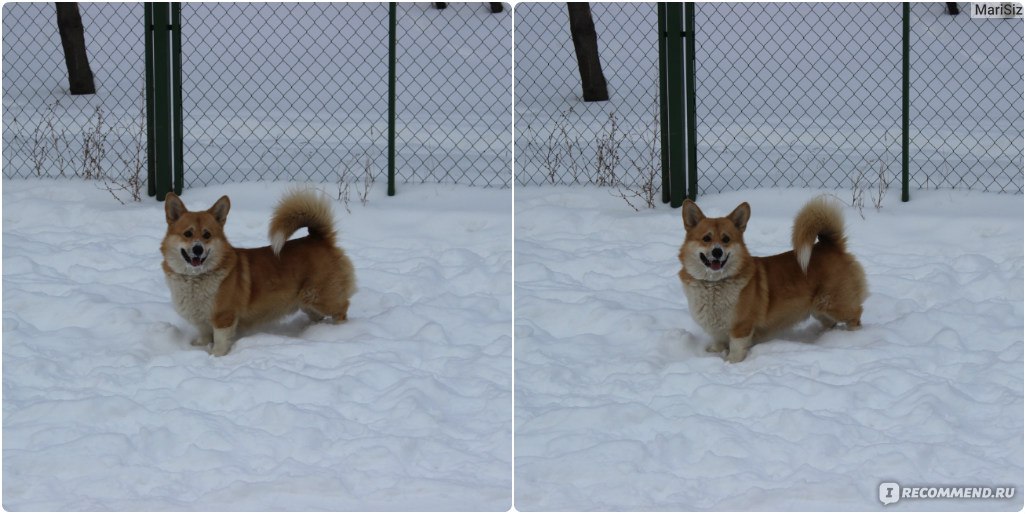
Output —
(618, 406)
(404, 407)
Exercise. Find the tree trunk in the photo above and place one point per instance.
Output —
(952, 8)
(496, 7)
(69, 24)
(582, 31)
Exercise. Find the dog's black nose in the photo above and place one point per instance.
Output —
(197, 250)
(717, 252)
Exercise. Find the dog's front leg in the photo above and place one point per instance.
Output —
(740, 342)
(224, 333)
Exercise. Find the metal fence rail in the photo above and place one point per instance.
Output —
(276, 91)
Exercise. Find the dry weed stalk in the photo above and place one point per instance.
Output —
(607, 154)
(647, 170)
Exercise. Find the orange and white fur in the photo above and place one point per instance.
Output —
(221, 289)
(736, 297)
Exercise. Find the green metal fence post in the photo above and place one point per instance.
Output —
(391, 98)
(689, 84)
(906, 31)
(163, 152)
(151, 173)
(176, 85)
(163, 98)
(664, 139)
(674, 101)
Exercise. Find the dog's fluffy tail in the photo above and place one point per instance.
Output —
(299, 209)
(820, 218)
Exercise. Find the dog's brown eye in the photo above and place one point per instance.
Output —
(206, 234)
(188, 233)
(707, 239)
(725, 239)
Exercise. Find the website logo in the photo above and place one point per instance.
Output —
(892, 492)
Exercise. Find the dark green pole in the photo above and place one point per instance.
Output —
(663, 137)
(391, 99)
(163, 154)
(689, 84)
(906, 31)
(151, 174)
(675, 101)
(176, 61)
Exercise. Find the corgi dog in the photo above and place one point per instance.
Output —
(221, 289)
(735, 297)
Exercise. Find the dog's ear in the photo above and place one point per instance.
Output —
(173, 208)
(739, 217)
(691, 214)
(220, 209)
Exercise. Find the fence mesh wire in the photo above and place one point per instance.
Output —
(788, 95)
(797, 95)
(276, 91)
(283, 91)
(803, 95)
(48, 132)
(966, 105)
(560, 139)
(455, 94)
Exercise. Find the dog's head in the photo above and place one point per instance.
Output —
(195, 242)
(713, 248)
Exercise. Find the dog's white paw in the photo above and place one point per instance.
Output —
(736, 356)
(219, 351)
(201, 341)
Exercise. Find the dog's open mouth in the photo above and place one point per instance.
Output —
(193, 260)
(714, 264)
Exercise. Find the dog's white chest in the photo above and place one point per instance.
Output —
(712, 304)
(193, 296)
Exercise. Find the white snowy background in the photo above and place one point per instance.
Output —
(407, 406)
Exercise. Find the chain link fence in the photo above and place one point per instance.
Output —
(283, 91)
(559, 138)
(278, 91)
(455, 94)
(47, 132)
(797, 95)
(967, 100)
(788, 95)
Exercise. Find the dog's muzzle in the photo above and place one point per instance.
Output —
(718, 260)
(197, 258)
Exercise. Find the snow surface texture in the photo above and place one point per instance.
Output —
(618, 406)
(404, 407)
